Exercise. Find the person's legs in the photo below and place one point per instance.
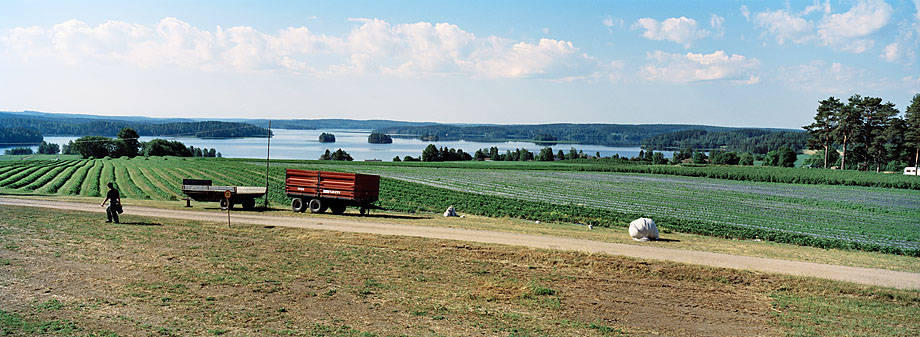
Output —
(111, 214)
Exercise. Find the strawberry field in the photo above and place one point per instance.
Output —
(867, 218)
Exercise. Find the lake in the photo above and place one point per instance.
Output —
(304, 144)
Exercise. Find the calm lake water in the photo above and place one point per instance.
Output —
(304, 144)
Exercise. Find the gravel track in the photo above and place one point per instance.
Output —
(868, 276)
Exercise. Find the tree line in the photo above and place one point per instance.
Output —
(85, 126)
(128, 145)
(17, 135)
(601, 134)
(869, 134)
(756, 141)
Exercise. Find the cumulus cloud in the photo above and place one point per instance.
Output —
(690, 67)
(845, 31)
(372, 46)
(785, 26)
(848, 31)
(681, 30)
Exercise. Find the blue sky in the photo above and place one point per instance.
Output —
(726, 63)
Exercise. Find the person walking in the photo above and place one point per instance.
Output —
(114, 206)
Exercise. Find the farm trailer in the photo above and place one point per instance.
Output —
(319, 190)
(201, 190)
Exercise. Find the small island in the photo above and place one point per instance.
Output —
(326, 138)
(379, 138)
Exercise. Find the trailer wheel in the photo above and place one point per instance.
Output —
(297, 205)
(362, 210)
(337, 208)
(225, 204)
(249, 204)
(317, 206)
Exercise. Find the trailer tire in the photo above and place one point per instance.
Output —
(225, 204)
(317, 206)
(337, 208)
(249, 204)
(297, 205)
(362, 210)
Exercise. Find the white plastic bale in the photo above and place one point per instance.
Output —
(643, 229)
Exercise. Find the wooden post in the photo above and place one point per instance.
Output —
(227, 195)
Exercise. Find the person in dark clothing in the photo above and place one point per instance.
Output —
(114, 206)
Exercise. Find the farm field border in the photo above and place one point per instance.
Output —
(686, 204)
(739, 173)
(858, 275)
(703, 206)
(677, 241)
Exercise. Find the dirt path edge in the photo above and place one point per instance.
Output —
(868, 276)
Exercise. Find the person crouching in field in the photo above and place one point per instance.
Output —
(114, 206)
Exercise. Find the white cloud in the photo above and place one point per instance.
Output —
(818, 7)
(372, 46)
(785, 26)
(547, 59)
(845, 31)
(917, 6)
(747, 12)
(611, 22)
(891, 52)
(690, 67)
(848, 31)
(681, 30)
(716, 23)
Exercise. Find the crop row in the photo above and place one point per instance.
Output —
(822, 216)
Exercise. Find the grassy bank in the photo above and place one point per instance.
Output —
(68, 273)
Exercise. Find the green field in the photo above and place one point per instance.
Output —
(821, 215)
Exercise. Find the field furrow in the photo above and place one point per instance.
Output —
(62, 178)
(127, 186)
(156, 179)
(143, 182)
(48, 176)
(90, 186)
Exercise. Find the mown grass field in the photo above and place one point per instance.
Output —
(65, 273)
(819, 215)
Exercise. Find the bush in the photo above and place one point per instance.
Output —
(727, 158)
(48, 148)
(783, 157)
(94, 146)
(162, 147)
(18, 151)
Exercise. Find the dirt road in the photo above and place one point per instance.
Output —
(896, 279)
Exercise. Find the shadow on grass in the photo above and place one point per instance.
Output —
(135, 223)
(667, 240)
(384, 216)
(254, 210)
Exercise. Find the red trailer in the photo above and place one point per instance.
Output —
(319, 190)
